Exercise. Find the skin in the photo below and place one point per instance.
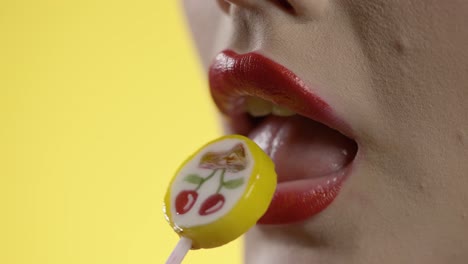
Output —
(397, 72)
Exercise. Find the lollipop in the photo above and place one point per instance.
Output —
(218, 193)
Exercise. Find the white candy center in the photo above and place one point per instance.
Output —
(211, 183)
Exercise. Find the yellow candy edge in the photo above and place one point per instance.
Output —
(251, 206)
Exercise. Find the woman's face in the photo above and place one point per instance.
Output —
(396, 74)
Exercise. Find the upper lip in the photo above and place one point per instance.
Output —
(233, 77)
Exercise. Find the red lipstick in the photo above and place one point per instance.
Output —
(307, 184)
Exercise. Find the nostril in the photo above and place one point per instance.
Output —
(284, 4)
(288, 6)
(224, 5)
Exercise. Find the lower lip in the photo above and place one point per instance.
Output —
(299, 200)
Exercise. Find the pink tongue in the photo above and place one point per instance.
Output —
(302, 148)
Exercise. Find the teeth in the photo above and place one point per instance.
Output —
(258, 107)
(282, 111)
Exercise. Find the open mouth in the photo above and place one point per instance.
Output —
(311, 147)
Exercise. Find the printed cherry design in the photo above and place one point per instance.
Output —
(212, 204)
(233, 160)
(185, 201)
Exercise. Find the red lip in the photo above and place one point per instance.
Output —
(233, 77)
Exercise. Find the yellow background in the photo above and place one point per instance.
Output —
(99, 103)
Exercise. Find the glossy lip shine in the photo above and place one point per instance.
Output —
(233, 77)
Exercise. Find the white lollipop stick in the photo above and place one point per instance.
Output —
(179, 252)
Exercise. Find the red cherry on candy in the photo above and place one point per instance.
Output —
(212, 204)
(185, 201)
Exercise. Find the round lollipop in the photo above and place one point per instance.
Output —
(218, 194)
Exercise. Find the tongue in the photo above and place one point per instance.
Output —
(302, 148)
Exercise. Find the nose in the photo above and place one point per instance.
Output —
(256, 3)
(304, 8)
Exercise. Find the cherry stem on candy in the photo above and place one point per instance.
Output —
(206, 179)
(221, 181)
